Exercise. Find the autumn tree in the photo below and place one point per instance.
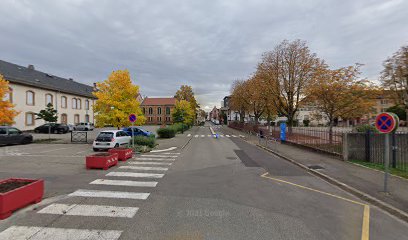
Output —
(288, 69)
(183, 113)
(7, 111)
(339, 94)
(116, 99)
(395, 76)
(186, 93)
(238, 102)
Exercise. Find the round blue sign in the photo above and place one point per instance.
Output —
(132, 117)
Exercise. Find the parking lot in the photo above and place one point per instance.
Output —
(90, 135)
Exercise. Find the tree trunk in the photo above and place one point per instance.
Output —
(331, 131)
(49, 132)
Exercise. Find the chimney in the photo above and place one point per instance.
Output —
(71, 79)
(31, 67)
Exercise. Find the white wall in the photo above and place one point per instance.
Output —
(19, 99)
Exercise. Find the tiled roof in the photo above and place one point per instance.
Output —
(23, 75)
(158, 101)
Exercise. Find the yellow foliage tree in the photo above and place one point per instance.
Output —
(7, 111)
(116, 100)
(183, 112)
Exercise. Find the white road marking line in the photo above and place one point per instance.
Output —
(189, 135)
(171, 153)
(196, 136)
(202, 135)
(242, 136)
(227, 135)
(163, 150)
(209, 135)
(156, 159)
(221, 135)
(233, 136)
(108, 194)
(123, 183)
(47, 233)
(89, 210)
(150, 163)
(158, 156)
(132, 174)
(145, 168)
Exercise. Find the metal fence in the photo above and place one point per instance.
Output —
(370, 147)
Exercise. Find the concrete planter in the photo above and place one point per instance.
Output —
(16, 193)
(101, 160)
(123, 153)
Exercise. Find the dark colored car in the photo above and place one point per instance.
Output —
(137, 131)
(55, 128)
(11, 135)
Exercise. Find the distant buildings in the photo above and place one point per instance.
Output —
(158, 110)
(32, 90)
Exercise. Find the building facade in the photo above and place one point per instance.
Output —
(158, 110)
(32, 90)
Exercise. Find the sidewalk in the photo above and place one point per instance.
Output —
(366, 180)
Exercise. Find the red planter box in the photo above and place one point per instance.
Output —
(101, 160)
(21, 196)
(123, 153)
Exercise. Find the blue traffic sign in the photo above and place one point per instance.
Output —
(132, 118)
(386, 122)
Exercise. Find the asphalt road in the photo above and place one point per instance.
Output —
(213, 188)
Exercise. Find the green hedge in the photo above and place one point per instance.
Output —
(145, 141)
(167, 132)
(366, 127)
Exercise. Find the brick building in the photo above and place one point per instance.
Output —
(158, 110)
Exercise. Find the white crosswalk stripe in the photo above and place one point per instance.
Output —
(123, 183)
(90, 210)
(158, 156)
(227, 136)
(155, 159)
(196, 136)
(108, 194)
(145, 168)
(48, 233)
(233, 136)
(222, 135)
(132, 174)
(209, 135)
(189, 135)
(242, 136)
(202, 136)
(172, 153)
(150, 163)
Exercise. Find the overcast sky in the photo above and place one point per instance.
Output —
(206, 44)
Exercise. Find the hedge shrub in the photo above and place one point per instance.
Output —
(145, 141)
(366, 127)
(167, 132)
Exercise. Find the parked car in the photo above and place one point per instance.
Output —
(11, 135)
(71, 127)
(111, 139)
(55, 128)
(137, 131)
(84, 126)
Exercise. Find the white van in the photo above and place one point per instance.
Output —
(84, 126)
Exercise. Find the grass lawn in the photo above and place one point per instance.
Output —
(394, 171)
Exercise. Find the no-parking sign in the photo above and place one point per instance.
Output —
(386, 122)
(132, 118)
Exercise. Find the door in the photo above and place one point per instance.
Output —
(14, 135)
(3, 136)
(64, 118)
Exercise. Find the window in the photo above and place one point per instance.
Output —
(76, 118)
(144, 111)
(86, 104)
(64, 118)
(167, 110)
(30, 98)
(13, 131)
(159, 119)
(159, 110)
(9, 96)
(3, 131)
(150, 111)
(64, 102)
(384, 101)
(79, 104)
(74, 103)
(86, 118)
(48, 99)
(29, 119)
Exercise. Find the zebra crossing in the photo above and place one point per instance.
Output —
(134, 173)
(213, 136)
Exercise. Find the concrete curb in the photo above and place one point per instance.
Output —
(364, 196)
